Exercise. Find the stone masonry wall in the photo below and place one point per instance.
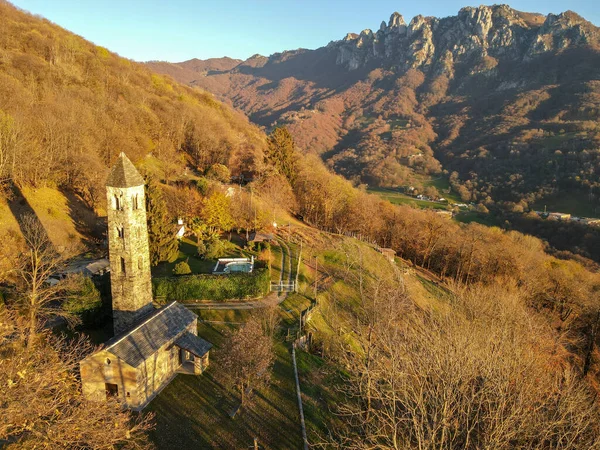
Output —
(129, 256)
(104, 367)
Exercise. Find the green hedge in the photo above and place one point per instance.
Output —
(212, 287)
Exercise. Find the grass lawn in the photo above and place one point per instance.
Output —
(573, 203)
(275, 263)
(442, 184)
(398, 198)
(192, 412)
(188, 252)
(473, 216)
(290, 309)
(224, 315)
(317, 383)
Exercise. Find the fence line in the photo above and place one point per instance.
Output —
(298, 268)
(299, 395)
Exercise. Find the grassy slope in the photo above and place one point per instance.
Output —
(66, 222)
(576, 204)
(192, 412)
(398, 198)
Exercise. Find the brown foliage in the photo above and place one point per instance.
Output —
(248, 356)
(42, 405)
(68, 108)
(482, 375)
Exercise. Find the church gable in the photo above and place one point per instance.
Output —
(106, 374)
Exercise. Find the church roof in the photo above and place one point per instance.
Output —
(124, 174)
(193, 344)
(161, 327)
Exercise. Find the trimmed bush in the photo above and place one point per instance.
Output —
(82, 298)
(212, 287)
(182, 268)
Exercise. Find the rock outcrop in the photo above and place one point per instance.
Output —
(475, 33)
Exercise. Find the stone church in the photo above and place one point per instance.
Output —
(150, 345)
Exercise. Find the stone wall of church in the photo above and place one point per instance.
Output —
(129, 255)
(156, 371)
(104, 367)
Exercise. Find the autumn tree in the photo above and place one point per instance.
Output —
(37, 297)
(247, 357)
(219, 172)
(452, 380)
(243, 212)
(42, 405)
(216, 213)
(280, 153)
(162, 239)
(8, 141)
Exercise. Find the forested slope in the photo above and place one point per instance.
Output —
(508, 100)
(68, 108)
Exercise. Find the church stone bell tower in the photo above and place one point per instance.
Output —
(129, 253)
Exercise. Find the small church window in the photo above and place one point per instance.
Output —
(121, 232)
(118, 203)
(108, 361)
(140, 262)
(135, 201)
(128, 394)
(122, 264)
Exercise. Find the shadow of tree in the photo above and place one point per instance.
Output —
(91, 227)
(21, 208)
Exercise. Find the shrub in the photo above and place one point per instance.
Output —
(212, 287)
(202, 185)
(219, 172)
(82, 298)
(182, 268)
(213, 247)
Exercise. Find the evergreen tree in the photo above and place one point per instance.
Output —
(216, 212)
(281, 151)
(163, 241)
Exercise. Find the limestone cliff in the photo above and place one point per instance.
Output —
(474, 34)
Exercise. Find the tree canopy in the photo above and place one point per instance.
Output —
(281, 152)
(163, 242)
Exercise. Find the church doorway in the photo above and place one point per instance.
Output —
(112, 390)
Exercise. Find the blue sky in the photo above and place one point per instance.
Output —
(177, 30)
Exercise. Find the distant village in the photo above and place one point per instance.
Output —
(558, 216)
(568, 217)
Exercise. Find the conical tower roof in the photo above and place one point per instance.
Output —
(124, 174)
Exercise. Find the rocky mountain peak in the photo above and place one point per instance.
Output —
(396, 21)
(496, 31)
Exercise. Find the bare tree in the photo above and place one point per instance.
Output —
(248, 357)
(42, 405)
(269, 318)
(36, 265)
(479, 376)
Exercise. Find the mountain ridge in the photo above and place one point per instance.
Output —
(464, 93)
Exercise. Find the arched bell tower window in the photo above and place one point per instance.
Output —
(118, 203)
(122, 265)
(134, 201)
(121, 232)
